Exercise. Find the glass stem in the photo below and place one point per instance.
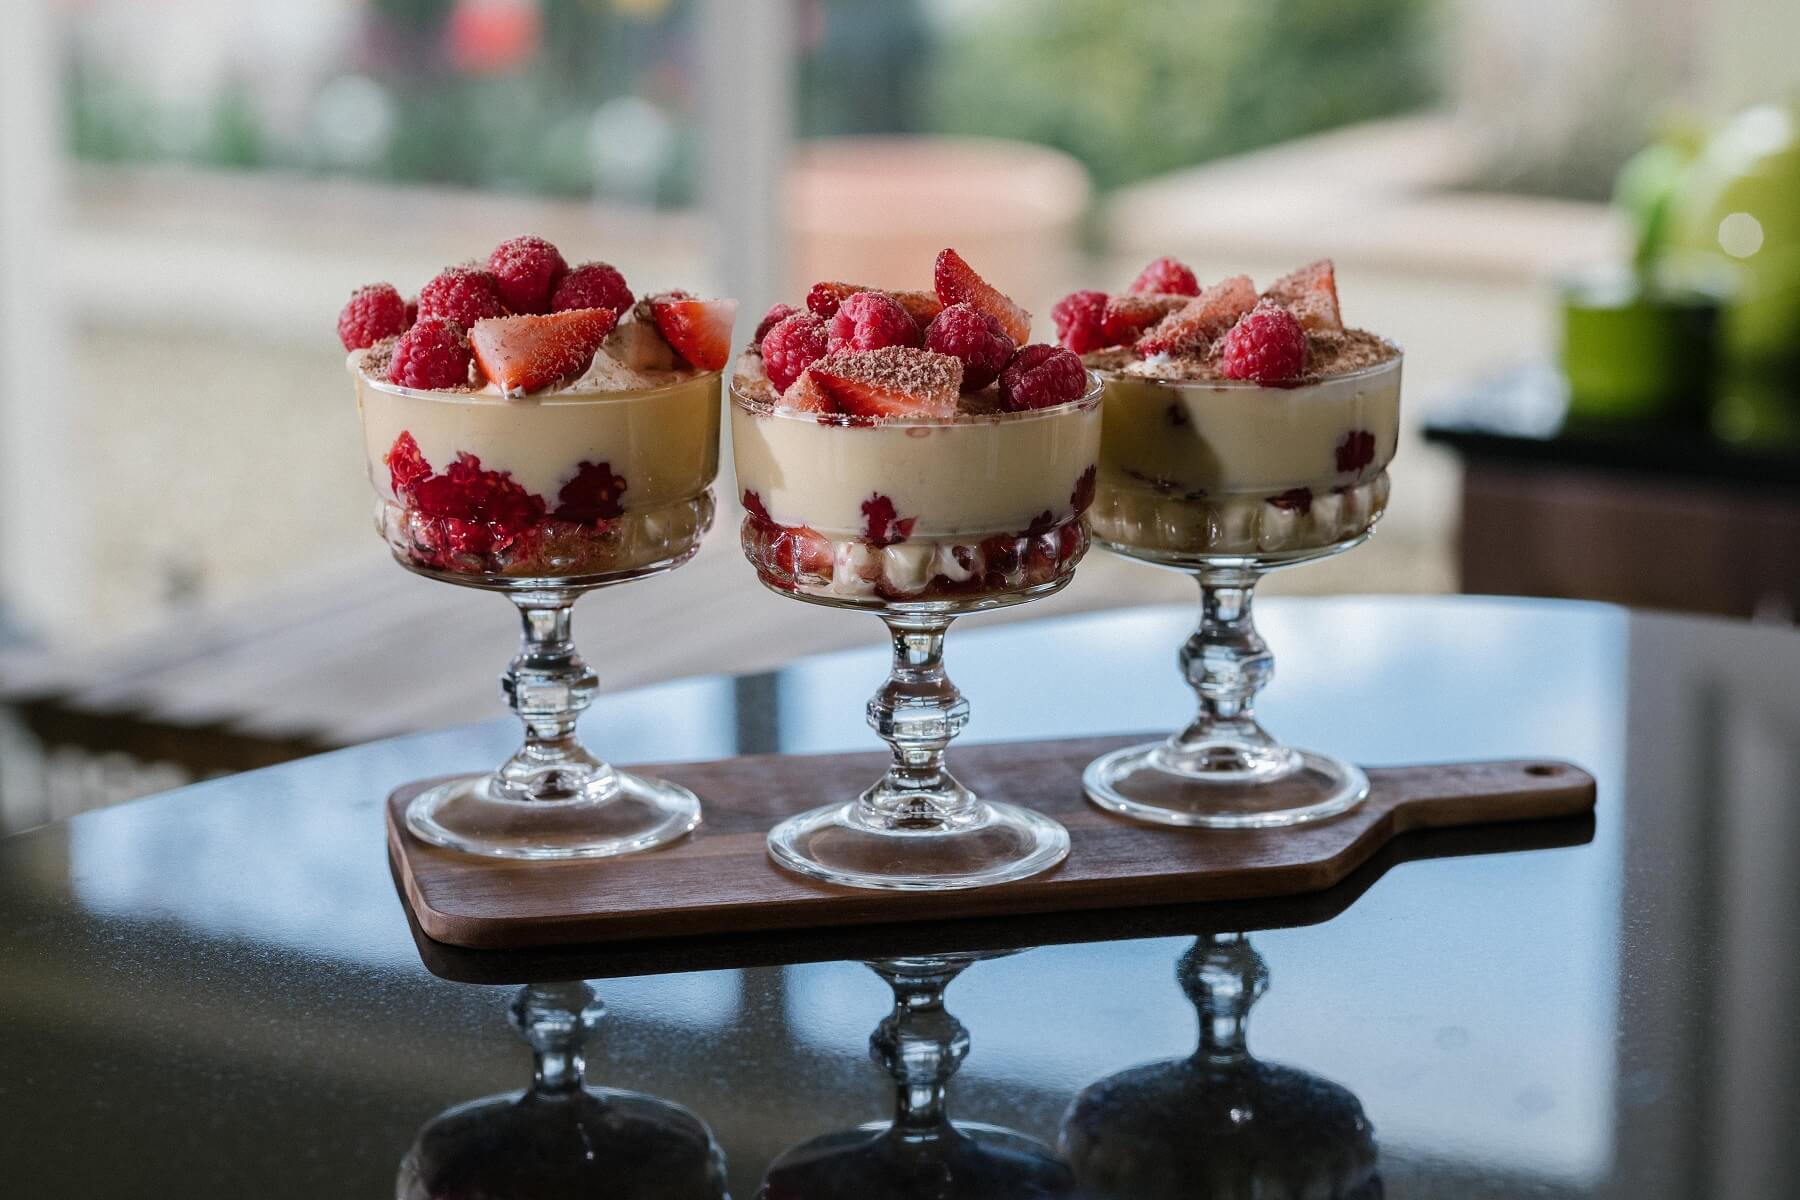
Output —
(1223, 976)
(917, 712)
(555, 1019)
(548, 685)
(1227, 663)
(920, 1044)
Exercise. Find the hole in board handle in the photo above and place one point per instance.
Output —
(1542, 769)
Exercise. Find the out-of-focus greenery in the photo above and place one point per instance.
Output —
(1137, 87)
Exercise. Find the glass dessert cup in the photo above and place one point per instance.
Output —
(921, 1152)
(919, 522)
(1220, 1122)
(1226, 481)
(543, 500)
(560, 1137)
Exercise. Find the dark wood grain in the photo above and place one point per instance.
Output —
(720, 881)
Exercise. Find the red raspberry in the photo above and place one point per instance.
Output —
(975, 337)
(1268, 345)
(372, 313)
(1167, 276)
(1079, 318)
(592, 497)
(775, 316)
(434, 353)
(1042, 376)
(592, 285)
(796, 343)
(872, 321)
(462, 294)
(406, 464)
(527, 269)
(824, 298)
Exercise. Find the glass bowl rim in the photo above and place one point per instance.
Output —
(549, 398)
(1250, 385)
(1088, 401)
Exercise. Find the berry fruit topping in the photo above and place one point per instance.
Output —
(592, 496)
(1267, 345)
(700, 330)
(1167, 276)
(1127, 317)
(794, 344)
(1078, 318)
(893, 382)
(1311, 293)
(776, 315)
(957, 283)
(974, 337)
(526, 270)
(1191, 328)
(463, 294)
(434, 353)
(1042, 376)
(592, 285)
(824, 299)
(372, 313)
(529, 353)
(872, 321)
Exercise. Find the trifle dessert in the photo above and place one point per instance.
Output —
(1244, 431)
(1236, 422)
(534, 428)
(912, 453)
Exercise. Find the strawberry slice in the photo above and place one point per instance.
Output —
(700, 330)
(1191, 328)
(805, 395)
(894, 381)
(1310, 294)
(957, 283)
(825, 297)
(1126, 317)
(801, 552)
(528, 353)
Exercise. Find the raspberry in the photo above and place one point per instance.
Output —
(882, 524)
(482, 511)
(1356, 451)
(1042, 376)
(372, 313)
(592, 497)
(775, 316)
(592, 285)
(824, 298)
(1167, 276)
(976, 338)
(526, 270)
(793, 345)
(463, 294)
(1268, 345)
(433, 354)
(871, 321)
(1083, 496)
(406, 463)
(1078, 318)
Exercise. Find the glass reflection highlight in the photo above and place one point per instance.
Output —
(1219, 1125)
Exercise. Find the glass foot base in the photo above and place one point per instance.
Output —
(630, 815)
(1001, 842)
(965, 1161)
(1139, 782)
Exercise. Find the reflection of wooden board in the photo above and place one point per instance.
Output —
(720, 882)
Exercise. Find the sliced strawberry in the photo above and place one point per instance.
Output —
(957, 283)
(805, 395)
(895, 381)
(1311, 294)
(1191, 328)
(1126, 317)
(700, 330)
(825, 297)
(528, 353)
(800, 551)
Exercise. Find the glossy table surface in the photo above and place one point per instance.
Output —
(216, 992)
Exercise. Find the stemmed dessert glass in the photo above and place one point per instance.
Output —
(917, 828)
(561, 1137)
(1220, 1122)
(638, 467)
(1226, 481)
(921, 1152)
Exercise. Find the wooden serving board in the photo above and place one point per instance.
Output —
(720, 881)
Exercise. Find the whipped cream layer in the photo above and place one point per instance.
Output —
(1184, 439)
(664, 441)
(966, 478)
